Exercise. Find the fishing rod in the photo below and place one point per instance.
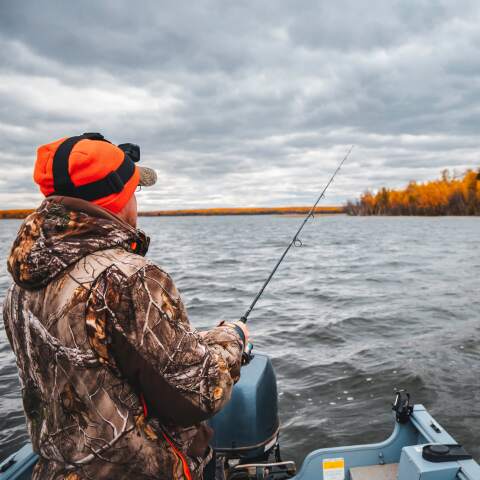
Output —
(295, 241)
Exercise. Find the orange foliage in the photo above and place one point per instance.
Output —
(446, 196)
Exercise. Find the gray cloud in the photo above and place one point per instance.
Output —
(244, 103)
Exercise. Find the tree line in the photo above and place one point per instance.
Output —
(449, 195)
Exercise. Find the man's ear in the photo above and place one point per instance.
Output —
(129, 212)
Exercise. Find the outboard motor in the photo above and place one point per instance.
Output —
(247, 428)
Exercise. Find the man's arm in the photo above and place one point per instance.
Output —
(184, 376)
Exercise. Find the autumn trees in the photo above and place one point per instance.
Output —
(446, 196)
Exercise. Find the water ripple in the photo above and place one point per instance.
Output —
(365, 306)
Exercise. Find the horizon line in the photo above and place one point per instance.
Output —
(213, 211)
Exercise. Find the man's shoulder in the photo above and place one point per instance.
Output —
(94, 264)
(128, 263)
(132, 268)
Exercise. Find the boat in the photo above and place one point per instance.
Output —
(419, 448)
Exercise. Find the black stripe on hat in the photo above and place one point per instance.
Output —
(111, 183)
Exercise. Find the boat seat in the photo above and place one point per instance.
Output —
(375, 472)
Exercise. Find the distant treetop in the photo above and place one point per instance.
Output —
(447, 196)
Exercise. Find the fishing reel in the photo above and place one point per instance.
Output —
(247, 354)
(247, 351)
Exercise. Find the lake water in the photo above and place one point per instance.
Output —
(368, 304)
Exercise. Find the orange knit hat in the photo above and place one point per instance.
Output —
(91, 168)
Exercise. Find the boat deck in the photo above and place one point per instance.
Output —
(375, 472)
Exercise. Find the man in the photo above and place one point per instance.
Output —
(115, 382)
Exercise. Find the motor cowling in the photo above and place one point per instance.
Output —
(247, 427)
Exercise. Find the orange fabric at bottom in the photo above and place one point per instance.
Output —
(186, 469)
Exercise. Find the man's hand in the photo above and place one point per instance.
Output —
(239, 326)
(244, 328)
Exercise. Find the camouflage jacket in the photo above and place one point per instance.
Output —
(96, 328)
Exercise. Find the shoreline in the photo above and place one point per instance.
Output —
(204, 212)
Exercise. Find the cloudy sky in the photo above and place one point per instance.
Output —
(240, 103)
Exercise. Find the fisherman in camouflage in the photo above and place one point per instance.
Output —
(115, 381)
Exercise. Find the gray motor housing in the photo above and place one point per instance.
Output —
(247, 427)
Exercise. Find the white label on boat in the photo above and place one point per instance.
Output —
(333, 469)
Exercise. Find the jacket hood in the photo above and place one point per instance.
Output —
(62, 231)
